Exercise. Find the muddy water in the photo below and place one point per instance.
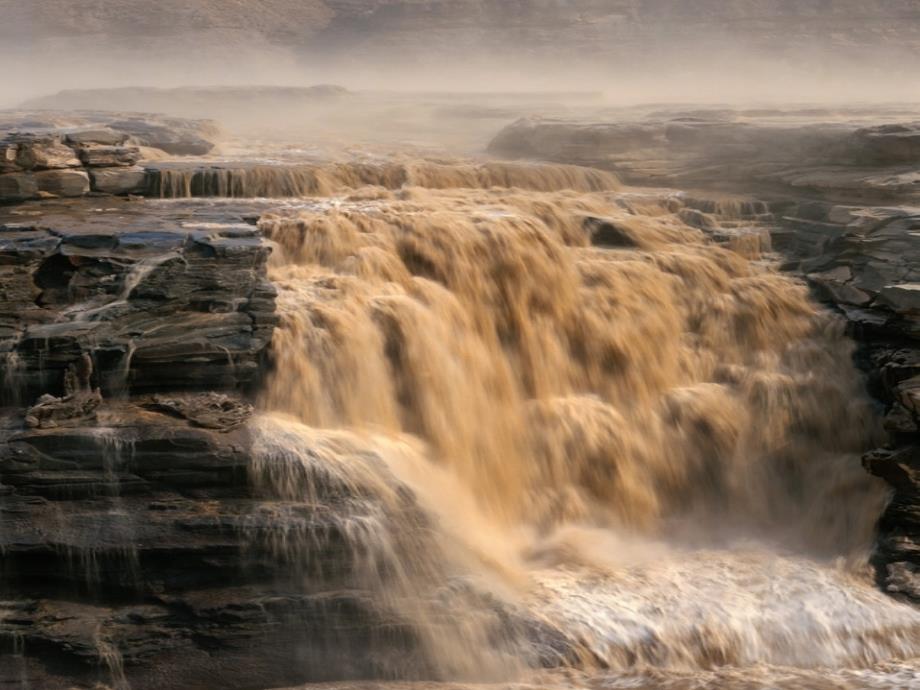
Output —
(638, 462)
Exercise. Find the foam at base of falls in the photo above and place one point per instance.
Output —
(489, 604)
(737, 606)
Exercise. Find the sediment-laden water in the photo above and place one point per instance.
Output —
(564, 429)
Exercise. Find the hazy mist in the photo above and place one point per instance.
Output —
(628, 50)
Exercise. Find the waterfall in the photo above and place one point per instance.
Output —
(635, 456)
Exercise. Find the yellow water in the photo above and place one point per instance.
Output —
(639, 462)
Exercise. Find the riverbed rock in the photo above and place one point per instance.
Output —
(172, 135)
(103, 156)
(17, 187)
(126, 180)
(819, 153)
(893, 144)
(209, 410)
(66, 183)
(104, 136)
(154, 525)
(157, 305)
(50, 130)
(44, 153)
(9, 150)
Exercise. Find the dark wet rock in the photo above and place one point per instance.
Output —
(158, 306)
(697, 219)
(154, 525)
(867, 267)
(76, 407)
(604, 232)
(208, 410)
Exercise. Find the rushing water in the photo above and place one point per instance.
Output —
(637, 462)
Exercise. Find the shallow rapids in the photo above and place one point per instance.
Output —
(564, 429)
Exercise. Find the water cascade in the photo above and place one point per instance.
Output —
(567, 429)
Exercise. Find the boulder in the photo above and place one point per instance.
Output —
(95, 155)
(8, 152)
(67, 183)
(894, 144)
(172, 135)
(130, 180)
(605, 232)
(902, 298)
(44, 153)
(17, 187)
(99, 135)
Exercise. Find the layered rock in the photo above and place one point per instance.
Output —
(63, 156)
(868, 265)
(137, 547)
(137, 551)
(811, 153)
(155, 302)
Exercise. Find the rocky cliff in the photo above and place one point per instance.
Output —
(613, 27)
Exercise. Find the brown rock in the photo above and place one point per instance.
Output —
(95, 155)
(17, 187)
(100, 135)
(63, 182)
(46, 153)
(130, 180)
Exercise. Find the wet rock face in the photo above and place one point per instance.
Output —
(868, 265)
(160, 307)
(125, 477)
(150, 524)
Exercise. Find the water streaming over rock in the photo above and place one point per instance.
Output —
(247, 180)
(548, 444)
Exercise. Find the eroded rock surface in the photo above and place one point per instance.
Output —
(133, 537)
(159, 302)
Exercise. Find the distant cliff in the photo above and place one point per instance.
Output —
(608, 26)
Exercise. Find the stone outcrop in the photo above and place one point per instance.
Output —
(814, 153)
(119, 181)
(124, 475)
(156, 304)
(866, 262)
(55, 155)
